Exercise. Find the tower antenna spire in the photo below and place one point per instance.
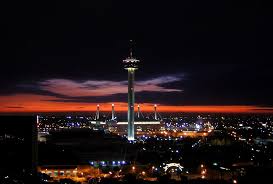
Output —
(131, 48)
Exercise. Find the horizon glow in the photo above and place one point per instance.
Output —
(29, 103)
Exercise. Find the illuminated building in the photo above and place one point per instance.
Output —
(131, 65)
(142, 125)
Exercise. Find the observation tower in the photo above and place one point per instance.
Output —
(131, 65)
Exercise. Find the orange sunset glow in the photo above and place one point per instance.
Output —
(39, 103)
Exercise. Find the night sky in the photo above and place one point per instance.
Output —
(195, 55)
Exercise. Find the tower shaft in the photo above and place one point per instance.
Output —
(131, 103)
(98, 112)
(138, 111)
(155, 112)
(113, 112)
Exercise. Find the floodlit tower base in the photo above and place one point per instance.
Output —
(131, 138)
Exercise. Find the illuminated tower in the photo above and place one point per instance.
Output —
(155, 111)
(98, 112)
(113, 111)
(138, 111)
(131, 65)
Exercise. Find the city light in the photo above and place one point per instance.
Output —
(82, 103)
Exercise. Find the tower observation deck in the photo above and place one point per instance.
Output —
(131, 65)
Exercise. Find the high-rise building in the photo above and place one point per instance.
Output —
(18, 142)
(131, 65)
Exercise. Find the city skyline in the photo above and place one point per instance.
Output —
(133, 92)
